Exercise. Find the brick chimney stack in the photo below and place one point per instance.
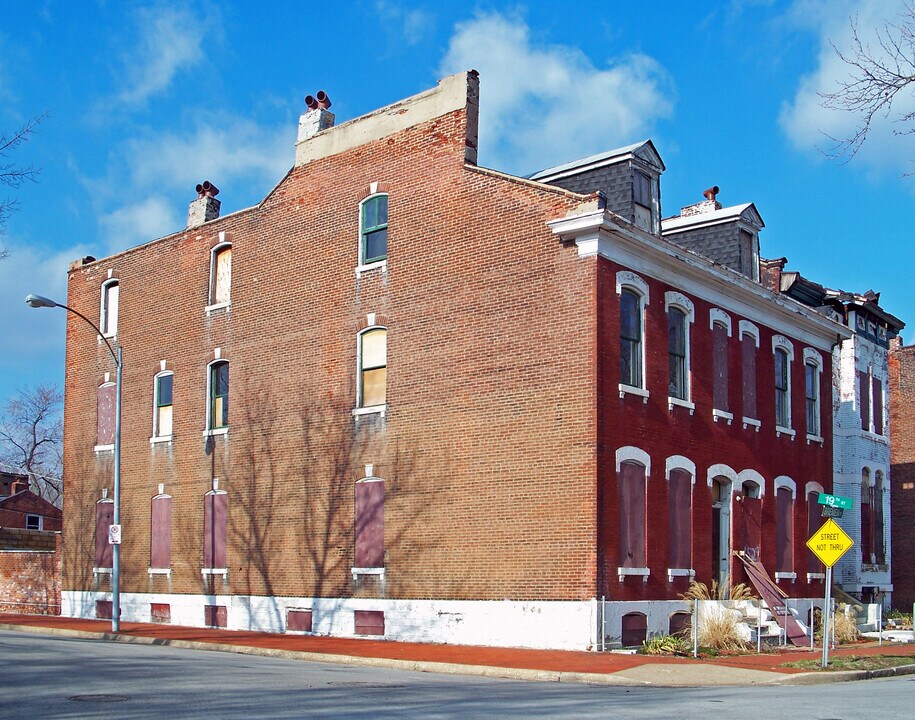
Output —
(18, 486)
(770, 273)
(317, 118)
(205, 207)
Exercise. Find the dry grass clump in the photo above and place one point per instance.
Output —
(701, 591)
(719, 631)
(846, 628)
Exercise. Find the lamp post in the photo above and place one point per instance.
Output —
(37, 301)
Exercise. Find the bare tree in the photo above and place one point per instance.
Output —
(12, 174)
(878, 75)
(31, 438)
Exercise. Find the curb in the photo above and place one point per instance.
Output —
(505, 673)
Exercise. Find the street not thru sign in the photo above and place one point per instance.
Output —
(830, 543)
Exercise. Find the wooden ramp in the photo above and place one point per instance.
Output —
(775, 599)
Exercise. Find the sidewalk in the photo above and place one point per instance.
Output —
(544, 665)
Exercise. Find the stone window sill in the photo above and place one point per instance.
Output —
(779, 431)
(722, 415)
(160, 571)
(673, 401)
(622, 572)
(814, 439)
(751, 422)
(216, 431)
(381, 265)
(157, 439)
(792, 576)
(632, 390)
(680, 572)
(371, 410)
(210, 309)
(357, 571)
(103, 449)
(224, 572)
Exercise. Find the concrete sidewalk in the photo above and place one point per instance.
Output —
(543, 665)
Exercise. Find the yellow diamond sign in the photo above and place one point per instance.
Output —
(829, 543)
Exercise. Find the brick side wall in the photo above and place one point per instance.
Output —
(489, 397)
(902, 473)
(29, 571)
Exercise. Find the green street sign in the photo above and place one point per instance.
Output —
(835, 501)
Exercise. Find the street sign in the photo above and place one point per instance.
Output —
(829, 543)
(114, 534)
(832, 512)
(836, 501)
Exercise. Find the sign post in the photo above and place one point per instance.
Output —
(829, 543)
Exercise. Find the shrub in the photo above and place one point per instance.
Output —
(666, 645)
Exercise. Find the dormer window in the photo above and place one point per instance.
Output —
(643, 200)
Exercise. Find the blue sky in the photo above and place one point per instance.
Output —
(147, 99)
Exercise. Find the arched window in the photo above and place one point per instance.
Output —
(632, 480)
(104, 517)
(215, 522)
(634, 629)
(679, 518)
(369, 551)
(106, 416)
(160, 531)
(110, 302)
(720, 333)
(782, 389)
(162, 399)
(373, 367)
(218, 395)
(784, 526)
(221, 274)
(867, 517)
(677, 356)
(373, 229)
(879, 543)
(631, 338)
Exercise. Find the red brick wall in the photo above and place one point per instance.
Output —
(29, 572)
(902, 472)
(15, 508)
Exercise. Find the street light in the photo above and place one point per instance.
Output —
(37, 301)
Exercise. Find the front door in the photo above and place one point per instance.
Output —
(721, 532)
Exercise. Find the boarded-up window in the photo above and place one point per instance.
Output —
(110, 302)
(103, 609)
(749, 525)
(160, 541)
(163, 392)
(782, 394)
(864, 405)
(298, 620)
(369, 622)
(867, 518)
(107, 414)
(216, 506)
(219, 395)
(373, 354)
(221, 281)
(812, 383)
(813, 524)
(370, 524)
(879, 544)
(630, 339)
(680, 624)
(631, 480)
(215, 616)
(679, 488)
(634, 629)
(748, 353)
(104, 517)
(160, 613)
(878, 406)
(784, 530)
(720, 366)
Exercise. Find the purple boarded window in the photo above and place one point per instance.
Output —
(878, 406)
(216, 505)
(107, 401)
(679, 513)
(720, 366)
(631, 480)
(370, 524)
(813, 524)
(215, 616)
(784, 530)
(748, 352)
(103, 609)
(298, 620)
(160, 542)
(749, 526)
(369, 622)
(104, 517)
(680, 624)
(879, 529)
(634, 629)
(865, 404)
(867, 518)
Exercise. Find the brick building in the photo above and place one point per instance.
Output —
(22, 508)
(902, 473)
(410, 396)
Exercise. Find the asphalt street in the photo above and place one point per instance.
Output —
(51, 677)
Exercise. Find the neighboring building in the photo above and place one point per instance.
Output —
(12, 482)
(25, 509)
(408, 396)
(902, 470)
(861, 392)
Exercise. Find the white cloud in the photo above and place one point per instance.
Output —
(411, 26)
(544, 105)
(807, 123)
(170, 41)
(140, 222)
(223, 149)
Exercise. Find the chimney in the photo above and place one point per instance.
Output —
(317, 118)
(205, 207)
(770, 273)
(710, 204)
(18, 486)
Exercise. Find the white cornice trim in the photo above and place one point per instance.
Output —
(600, 232)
